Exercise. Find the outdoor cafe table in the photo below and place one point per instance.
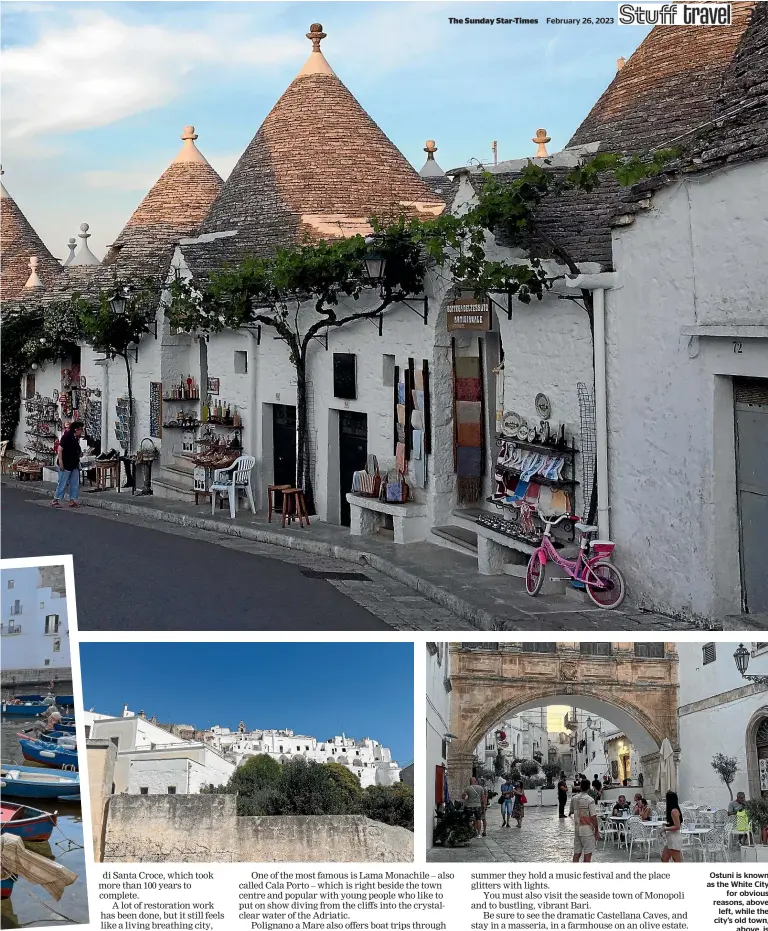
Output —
(694, 833)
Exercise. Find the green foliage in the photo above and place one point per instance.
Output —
(726, 768)
(109, 332)
(551, 771)
(757, 809)
(302, 787)
(389, 804)
(529, 768)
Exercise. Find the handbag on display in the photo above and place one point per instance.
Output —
(369, 479)
(396, 492)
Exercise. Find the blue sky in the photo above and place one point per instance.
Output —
(95, 94)
(317, 689)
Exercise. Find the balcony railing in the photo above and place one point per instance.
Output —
(8, 629)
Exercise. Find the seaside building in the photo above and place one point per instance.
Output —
(34, 626)
(366, 758)
(151, 761)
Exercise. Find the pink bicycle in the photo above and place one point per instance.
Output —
(591, 569)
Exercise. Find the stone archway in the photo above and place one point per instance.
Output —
(758, 720)
(492, 681)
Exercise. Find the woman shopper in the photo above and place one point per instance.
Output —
(673, 841)
(518, 805)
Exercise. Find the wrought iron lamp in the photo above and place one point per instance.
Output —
(741, 657)
(375, 263)
(118, 303)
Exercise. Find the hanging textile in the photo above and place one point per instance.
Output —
(468, 427)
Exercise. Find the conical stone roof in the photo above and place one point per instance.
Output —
(18, 243)
(641, 108)
(318, 167)
(174, 207)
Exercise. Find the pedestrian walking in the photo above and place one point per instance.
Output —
(586, 827)
(68, 460)
(673, 841)
(473, 797)
(518, 804)
(506, 800)
(562, 795)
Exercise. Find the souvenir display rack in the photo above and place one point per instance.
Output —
(43, 426)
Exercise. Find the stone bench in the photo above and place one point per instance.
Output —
(369, 514)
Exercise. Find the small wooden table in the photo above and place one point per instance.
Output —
(107, 474)
(271, 489)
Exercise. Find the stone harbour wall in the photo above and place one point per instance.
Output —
(206, 829)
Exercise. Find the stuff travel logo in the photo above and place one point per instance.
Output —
(674, 14)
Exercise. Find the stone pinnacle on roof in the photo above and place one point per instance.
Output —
(71, 245)
(84, 256)
(18, 243)
(430, 168)
(318, 167)
(541, 139)
(34, 279)
(173, 208)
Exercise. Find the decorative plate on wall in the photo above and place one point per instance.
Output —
(543, 407)
(510, 423)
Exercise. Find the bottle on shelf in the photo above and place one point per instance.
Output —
(205, 411)
(228, 415)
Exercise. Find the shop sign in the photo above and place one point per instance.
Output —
(469, 316)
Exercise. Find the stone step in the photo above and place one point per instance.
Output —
(459, 537)
(174, 485)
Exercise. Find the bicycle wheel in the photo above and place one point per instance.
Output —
(534, 574)
(615, 587)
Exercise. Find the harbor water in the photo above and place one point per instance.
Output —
(30, 906)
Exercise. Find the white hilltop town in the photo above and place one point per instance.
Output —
(644, 416)
(177, 759)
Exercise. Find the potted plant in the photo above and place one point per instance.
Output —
(757, 809)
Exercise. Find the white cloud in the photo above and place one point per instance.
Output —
(97, 69)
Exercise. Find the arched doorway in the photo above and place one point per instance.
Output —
(757, 753)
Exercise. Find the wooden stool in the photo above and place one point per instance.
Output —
(107, 474)
(271, 489)
(294, 505)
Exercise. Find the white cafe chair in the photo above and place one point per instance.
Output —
(233, 481)
(640, 833)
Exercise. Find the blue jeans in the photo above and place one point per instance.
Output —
(69, 478)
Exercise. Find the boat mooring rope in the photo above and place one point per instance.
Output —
(49, 907)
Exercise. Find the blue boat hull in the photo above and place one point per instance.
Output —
(64, 728)
(66, 700)
(67, 788)
(48, 754)
(30, 824)
(6, 887)
(24, 711)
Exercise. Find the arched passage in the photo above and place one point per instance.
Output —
(491, 682)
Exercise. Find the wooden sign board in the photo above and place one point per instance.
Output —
(469, 316)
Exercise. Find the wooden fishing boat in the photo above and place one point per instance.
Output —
(34, 782)
(6, 886)
(32, 698)
(66, 701)
(53, 737)
(27, 823)
(64, 728)
(48, 754)
(25, 709)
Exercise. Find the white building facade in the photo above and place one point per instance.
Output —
(721, 712)
(152, 761)
(438, 682)
(34, 627)
(366, 758)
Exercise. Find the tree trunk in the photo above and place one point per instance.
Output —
(303, 463)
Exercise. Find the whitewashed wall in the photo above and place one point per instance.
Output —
(32, 648)
(697, 258)
(716, 707)
(438, 724)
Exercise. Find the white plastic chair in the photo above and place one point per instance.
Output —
(716, 841)
(608, 828)
(232, 481)
(640, 833)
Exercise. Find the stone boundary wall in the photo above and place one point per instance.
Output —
(12, 678)
(206, 829)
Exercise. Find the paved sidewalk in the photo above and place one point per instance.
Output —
(543, 838)
(448, 578)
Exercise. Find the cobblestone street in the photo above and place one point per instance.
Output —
(543, 838)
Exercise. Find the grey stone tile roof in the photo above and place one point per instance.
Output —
(319, 167)
(667, 88)
(18, 242)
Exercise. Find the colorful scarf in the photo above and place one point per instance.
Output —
(468, 406)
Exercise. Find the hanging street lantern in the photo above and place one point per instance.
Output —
(741, 658)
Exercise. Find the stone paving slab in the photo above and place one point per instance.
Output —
(543, 838)
(448, 578)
